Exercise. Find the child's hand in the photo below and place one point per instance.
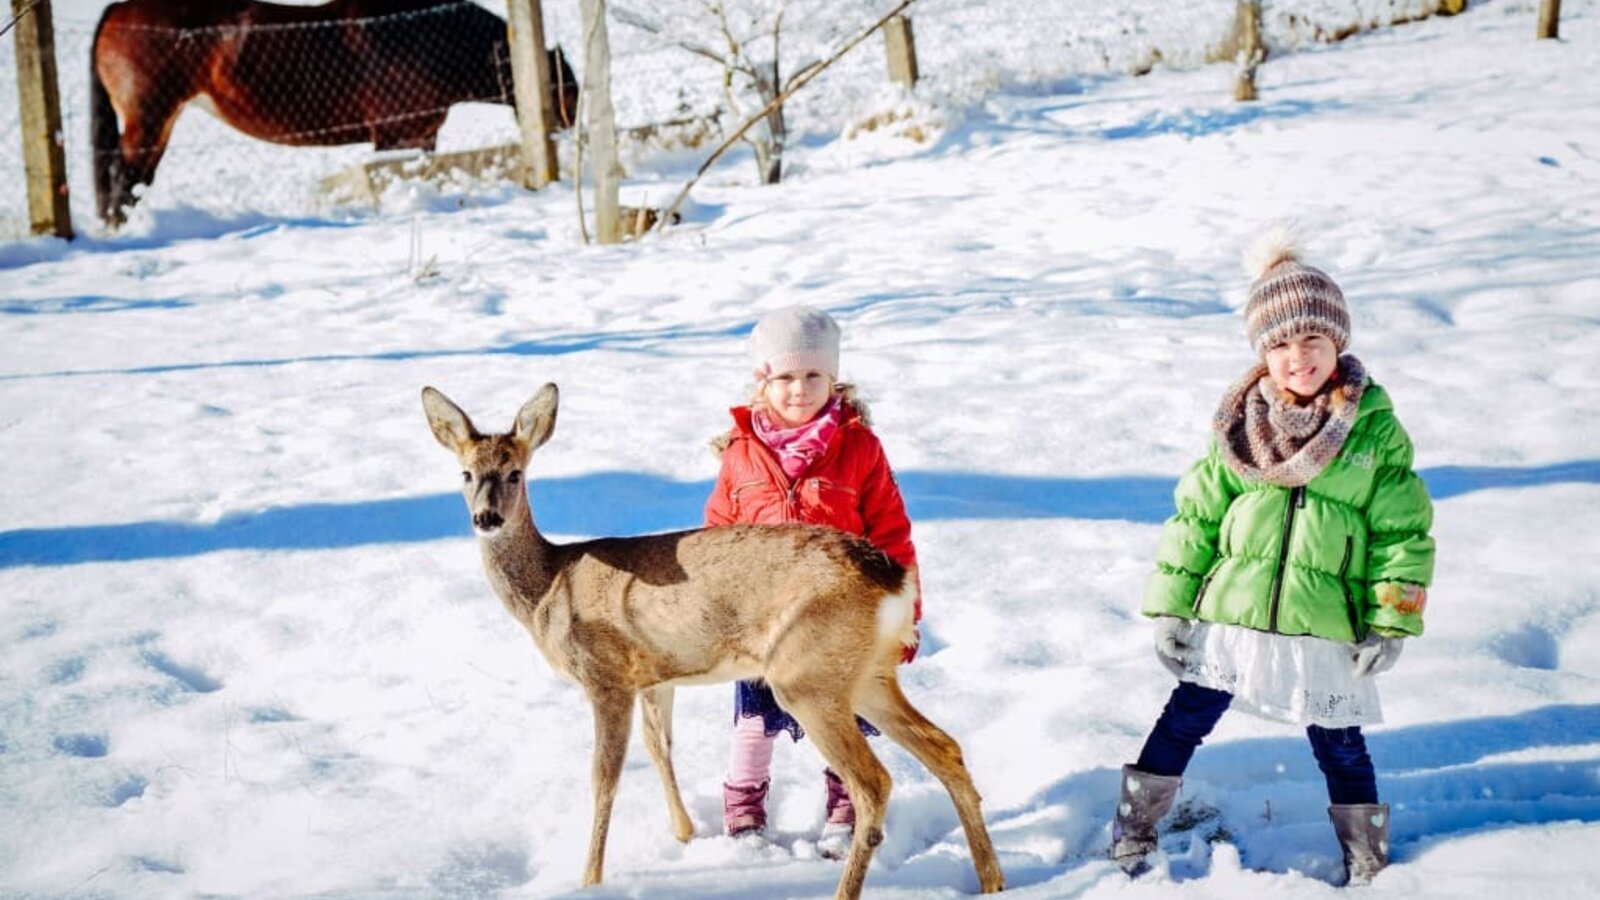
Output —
(1377, 654)
(1172, 647)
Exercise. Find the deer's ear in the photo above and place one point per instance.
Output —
(537, 418)
(450, 425)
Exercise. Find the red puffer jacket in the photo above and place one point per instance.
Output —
(850, 487)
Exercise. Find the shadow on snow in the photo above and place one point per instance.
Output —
(629, 503)
(1442, 780)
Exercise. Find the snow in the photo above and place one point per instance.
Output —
(246, 645)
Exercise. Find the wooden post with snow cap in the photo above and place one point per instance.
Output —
(1252, 49)
(902, 51)
(531, 75)
(1549, 20)
(43, 156)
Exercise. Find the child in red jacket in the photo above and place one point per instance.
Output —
(801, 451)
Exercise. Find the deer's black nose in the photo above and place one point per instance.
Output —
(488, 520)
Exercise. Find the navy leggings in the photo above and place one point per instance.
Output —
(1192, 711)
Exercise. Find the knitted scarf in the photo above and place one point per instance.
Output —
(1268, 434)
(797, 448)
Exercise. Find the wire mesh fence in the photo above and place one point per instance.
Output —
(676, 80)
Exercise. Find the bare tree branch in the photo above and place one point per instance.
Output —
(653, 26)
(800, 80)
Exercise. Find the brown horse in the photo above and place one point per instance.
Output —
(350, 71)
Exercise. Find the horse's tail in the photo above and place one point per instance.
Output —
(104, 134)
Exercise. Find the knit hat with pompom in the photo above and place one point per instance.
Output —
(1289, 297)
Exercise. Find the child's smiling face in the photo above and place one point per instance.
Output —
(795, 397)
(1303, 363)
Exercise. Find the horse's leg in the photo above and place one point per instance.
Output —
(146, 127)
(655, 706)
(106, 138)
(883, 704)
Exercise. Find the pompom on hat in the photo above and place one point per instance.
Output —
(795, 338)
(1289, 297)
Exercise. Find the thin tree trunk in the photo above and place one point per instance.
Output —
(600, 121)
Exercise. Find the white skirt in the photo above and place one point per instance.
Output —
(1300, 680)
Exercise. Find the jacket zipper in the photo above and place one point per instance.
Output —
(791, 495)
(1297, 499)
(1200, 595)
(1344, 584)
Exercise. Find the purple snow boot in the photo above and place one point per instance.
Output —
(744, 808)
(840, 828)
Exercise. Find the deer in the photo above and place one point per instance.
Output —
(819, 614)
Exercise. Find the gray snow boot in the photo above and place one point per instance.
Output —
(1363, 830)
(1145, 799)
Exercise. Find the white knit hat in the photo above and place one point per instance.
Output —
(795, 338)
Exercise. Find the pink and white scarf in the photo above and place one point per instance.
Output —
(797, 448)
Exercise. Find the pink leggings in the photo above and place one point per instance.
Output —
(750, 759)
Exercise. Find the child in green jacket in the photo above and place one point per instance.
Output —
(1296, 565)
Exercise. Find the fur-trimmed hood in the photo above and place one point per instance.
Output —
(855, 411)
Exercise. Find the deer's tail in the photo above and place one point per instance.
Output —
(897, 614)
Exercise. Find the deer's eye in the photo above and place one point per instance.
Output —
(514, 477)
(467, 477)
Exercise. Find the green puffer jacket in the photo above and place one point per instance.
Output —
(1309, 560)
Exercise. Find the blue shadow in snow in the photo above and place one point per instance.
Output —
(630, 503)
(556, 345)
(1200, 123)
(1441, 777)
(84, 304)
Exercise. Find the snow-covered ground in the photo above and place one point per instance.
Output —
(246, 647)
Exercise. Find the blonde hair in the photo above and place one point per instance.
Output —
(842, 389)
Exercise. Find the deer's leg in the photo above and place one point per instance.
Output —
(613, 717)
(831, 724)
(884, 705)
(655, 706)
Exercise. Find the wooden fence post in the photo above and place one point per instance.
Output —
(531, 75)
(1549, 20)
(600, 121)
(43, 156)
(1252, 49)
(902, 49)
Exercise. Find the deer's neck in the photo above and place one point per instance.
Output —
(519, 563)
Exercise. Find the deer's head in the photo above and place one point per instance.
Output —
(492, 464)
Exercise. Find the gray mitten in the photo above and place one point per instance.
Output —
(1172, 642)
(1377, 654)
